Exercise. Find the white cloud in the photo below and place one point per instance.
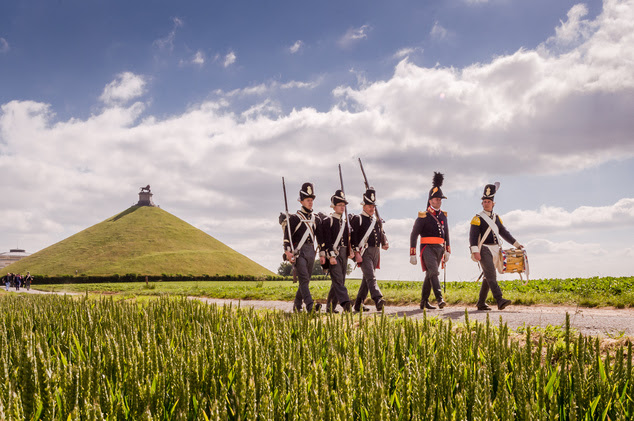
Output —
(438, 32)
(553, 219)
(575, 28)
(268, 88)
(353, 35)
(199, 58)
(405, 52)
(230, 58)
(4, 46)
(124, 88)
(167, 43)
(296, 47)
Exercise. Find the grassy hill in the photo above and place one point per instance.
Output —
(144, 240)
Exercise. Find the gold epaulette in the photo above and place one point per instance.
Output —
(444, 213)
(500, 218)
(422, 214)
(476, 221)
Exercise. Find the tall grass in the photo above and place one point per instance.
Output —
(180, 359)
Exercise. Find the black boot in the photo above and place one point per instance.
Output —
(503, 303)
(347, 307)
(380, 303)
(483, 307)
(442, 303)
(330, 308)
(425, 305)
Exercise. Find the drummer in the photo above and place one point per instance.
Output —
(486, 228)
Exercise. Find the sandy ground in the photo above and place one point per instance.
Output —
(605, 322)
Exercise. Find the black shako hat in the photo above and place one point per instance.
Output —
(338, 197)
(369, 197)
(436, 184)
(490, 190)
(308, 190)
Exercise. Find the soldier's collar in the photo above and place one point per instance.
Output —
(431, 208)
(365, 214)
(305, 211)
(336, 215)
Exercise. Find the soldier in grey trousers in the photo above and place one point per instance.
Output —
(367, 239)
(335, 233)
(490, 281)
(368, 283)
(303, 226)
(304, 266)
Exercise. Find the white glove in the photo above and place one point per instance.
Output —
(447, 254)
(412, 259)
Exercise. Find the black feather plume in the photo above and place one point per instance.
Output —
(438, 179)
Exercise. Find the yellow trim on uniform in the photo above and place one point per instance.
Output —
(476, 221)
(500, 218)
(444, 213)
(422, 214)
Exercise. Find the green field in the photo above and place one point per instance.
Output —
(586, 292)
(176, 359)
(141, 239)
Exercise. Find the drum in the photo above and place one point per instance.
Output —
(515, 261)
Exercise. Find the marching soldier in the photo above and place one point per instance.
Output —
(336, 240)
(367, 239)
(303, 226)
(486, 229)
(433, 229)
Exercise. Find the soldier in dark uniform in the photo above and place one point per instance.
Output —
(485, 247)
(336, 239)
(367, 239)
(433, 229)
(303, 228)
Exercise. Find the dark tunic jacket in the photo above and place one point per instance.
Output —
(426, 226)
(298, 232)
(330, 230)
(360, 224)
(479, 227)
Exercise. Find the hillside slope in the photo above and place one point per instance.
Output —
(144, 240)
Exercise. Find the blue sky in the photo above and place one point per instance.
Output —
(212, 102)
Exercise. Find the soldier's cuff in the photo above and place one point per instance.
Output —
(516, 244)
(322, 254)
(356, 249)
(333, 254)
(412, 251)
(475, 249)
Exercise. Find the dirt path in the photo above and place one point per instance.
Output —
(606, 322)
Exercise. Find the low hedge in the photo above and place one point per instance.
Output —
(133, 277)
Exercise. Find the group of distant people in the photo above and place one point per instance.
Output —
(15, 280)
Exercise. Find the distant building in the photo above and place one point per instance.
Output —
(12, 256)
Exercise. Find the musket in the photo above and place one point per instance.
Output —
(347, 215)
(288, 228)
(379, 221)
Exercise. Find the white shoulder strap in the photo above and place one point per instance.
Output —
(364, 240)
(492, 226)
(340, 235)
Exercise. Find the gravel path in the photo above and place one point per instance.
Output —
(606, 322)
